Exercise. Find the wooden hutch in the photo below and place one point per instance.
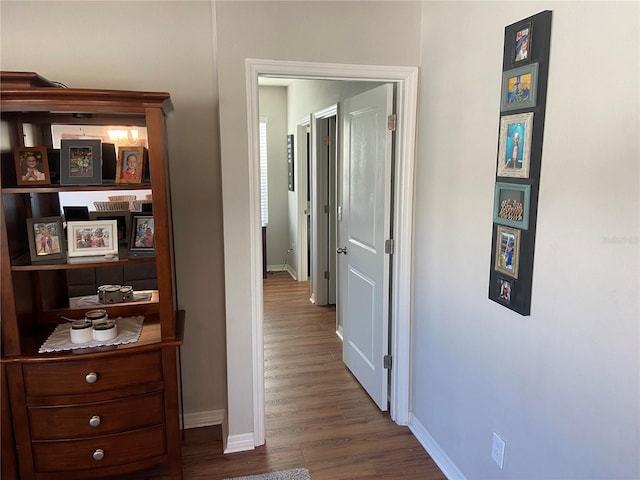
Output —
(101, 412)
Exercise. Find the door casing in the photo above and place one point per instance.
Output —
(406, 79)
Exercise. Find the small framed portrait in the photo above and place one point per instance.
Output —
(519, 88)
(32, 166)
(80, 162)
(130, 167)
(143, 235)
(46, 239)
(507, 251)
(505, 288)
(514, 145)
(93, 238)
(511, 205)
(521, 44)
(123, 219)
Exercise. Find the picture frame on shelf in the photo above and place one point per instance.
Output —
(92, 238)
(507, 258)
(519, 88)
(75, 213)
(142, 237)
(511, 205)
(46, 239)
(131, 164)
(32, 166)
(514, 145)
(123, 219)
(80, 162)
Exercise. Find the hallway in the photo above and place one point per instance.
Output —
(317, 414)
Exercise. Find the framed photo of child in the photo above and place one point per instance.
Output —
(130, 167)
(32, 166)
(46, 239)
(143, 233)
(507, 255)
(80, 162)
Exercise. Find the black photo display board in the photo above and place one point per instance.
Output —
(523, 97)
(291, 180)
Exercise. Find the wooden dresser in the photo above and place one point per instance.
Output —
(101, 412)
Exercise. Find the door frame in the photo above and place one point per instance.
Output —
(322, 175)
(406, 79)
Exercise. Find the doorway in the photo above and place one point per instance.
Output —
(406, 80)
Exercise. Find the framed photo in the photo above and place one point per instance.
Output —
(521, 46)
(80, 162)
(130, 167)
(507, 251)
(505, 289)
(32, 166)
(46, 238)
(514, 145)
(143, 235)
(519, 88)
(123, 219)
(99, 237)
(511, 205)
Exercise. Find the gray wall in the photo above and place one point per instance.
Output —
(273, 106)
(560, 386)
(287, 31)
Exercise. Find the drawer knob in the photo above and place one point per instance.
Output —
(98, 454)
(94, 421)
(91, 377)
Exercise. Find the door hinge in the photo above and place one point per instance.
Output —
(327, 275)
(389, 246)
(326, 209)
(392, 122)
(386, 362)
(327, 140)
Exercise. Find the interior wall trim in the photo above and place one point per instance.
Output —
(406, 79)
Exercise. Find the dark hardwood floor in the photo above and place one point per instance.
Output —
(317, 415)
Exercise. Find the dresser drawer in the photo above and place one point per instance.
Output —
(93, 375)
(94, 419)
(99, 452)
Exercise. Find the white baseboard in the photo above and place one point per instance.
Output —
(283, 268)
(204, 419)
(449, 469)
(240, 443)
(208, 418)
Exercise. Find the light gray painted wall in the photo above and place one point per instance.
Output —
(273, 106)
(288, 31)
(560, 386)
(141, 46)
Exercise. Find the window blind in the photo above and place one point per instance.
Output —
(264, 188)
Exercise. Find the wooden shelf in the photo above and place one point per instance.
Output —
(24, 264)
(36, 294)
(77, 188)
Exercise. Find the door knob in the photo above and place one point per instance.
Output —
(342, 250)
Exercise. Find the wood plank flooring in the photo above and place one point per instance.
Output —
(317, 416)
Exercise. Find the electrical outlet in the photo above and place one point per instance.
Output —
(497, 450)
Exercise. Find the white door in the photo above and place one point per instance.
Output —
(364, 223)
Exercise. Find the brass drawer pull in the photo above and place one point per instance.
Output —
(91, 377)
(94, 421)
(98, 454)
